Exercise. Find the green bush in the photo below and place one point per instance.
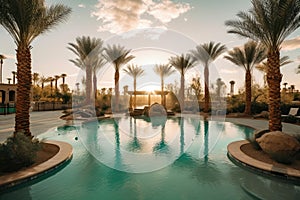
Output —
(18, 152)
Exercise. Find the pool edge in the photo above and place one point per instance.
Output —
(64, 155)
(238, 157)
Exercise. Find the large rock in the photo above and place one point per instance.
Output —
(280, 146)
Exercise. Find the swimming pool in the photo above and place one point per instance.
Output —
(185, 158)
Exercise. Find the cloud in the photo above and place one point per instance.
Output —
(117, 16)
(165, 11)
(81, 6)
(292, 44)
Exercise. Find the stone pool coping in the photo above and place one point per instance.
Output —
(235, 153)
(64, 154)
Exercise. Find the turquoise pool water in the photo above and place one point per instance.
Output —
(181, 158)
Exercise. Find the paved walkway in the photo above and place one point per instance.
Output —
(40, 123)
(264, 124)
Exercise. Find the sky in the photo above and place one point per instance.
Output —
(154, 30)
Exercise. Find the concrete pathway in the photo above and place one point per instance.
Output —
(40, 123)
(264, 124)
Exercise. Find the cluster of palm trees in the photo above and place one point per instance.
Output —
(268, 22)
(36, 78)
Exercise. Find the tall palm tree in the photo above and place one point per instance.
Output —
(25, 20)
(87, 50)
(263, 67)
(135, 72)
(163, 71)
(35, 78)
(182, 63)
(270, 22)
(206, 54)
(118, 56)
(247, 57)
(2, 57)
(63, 76)
(43, 80)
(56, 77)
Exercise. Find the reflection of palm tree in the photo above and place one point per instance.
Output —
(182, 63)
(119, 56)
(207, 53)
(135, 72)
(88, 51)
(181, 121)
(206, 126)
(247, 57)
(135, 145)
(269, 22)
(163, 71)
(25, 20)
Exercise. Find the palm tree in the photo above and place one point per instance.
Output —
(50, 79)
(56, 77)
(206, 54)
(63, 76)
(135, 72)
(182, 63)
(270, 22)
(2, 57)
(87, 51)
(118, 56)
(163, 71)
(263, 67)
(24, 21)
(8, 79)
(35, 78)
(247, 57)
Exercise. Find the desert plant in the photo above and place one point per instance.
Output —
(18, 152)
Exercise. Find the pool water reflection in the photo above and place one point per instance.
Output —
(200, 169)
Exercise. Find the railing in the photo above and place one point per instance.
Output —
(8, 108)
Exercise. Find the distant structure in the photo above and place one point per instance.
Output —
(232, 87)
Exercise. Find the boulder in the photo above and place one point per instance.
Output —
(280, 146)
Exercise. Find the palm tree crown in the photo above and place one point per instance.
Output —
(24, 20)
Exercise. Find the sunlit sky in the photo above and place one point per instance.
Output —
(200, 21)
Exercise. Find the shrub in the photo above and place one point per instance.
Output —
(18, 152)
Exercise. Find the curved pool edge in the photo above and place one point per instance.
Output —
(238, 157)
(63, 156)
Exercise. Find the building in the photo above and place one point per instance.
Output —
(7, 98)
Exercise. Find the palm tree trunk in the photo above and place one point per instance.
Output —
(117, 93)
(206, 89)
(22, 118)
(182, 92)
(248, 92)
(134, 90)
(162, 91)
(88, 85)
(95, 85)
(274, 79)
